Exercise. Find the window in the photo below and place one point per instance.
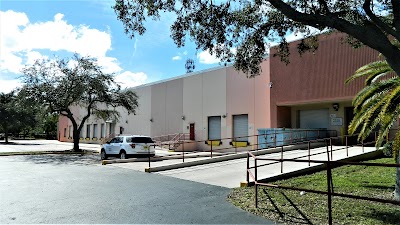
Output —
(70, 131)
(65, 132)
(102, 130)
(117, 140)
(94, 130)
(88, 131)
(111, 129)
(145, 140)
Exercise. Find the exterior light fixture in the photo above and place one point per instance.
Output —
(270, 84)
(183, 117)
(151, 119)
(224, 116)
(335, 106)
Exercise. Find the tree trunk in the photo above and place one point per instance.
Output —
(76, 140)
(397, 186)
(6, 133)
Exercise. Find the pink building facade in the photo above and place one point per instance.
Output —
(309, 87)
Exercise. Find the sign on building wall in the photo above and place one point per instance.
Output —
(337, 121)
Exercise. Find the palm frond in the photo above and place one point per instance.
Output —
(373, 70)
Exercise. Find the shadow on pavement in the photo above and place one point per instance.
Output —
(60, 159)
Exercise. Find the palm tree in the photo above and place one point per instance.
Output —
(377, 106)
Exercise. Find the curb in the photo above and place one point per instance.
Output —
(153, 159)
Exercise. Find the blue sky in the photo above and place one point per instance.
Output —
(30, 30)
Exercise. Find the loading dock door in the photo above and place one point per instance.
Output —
(317, 118)
(240, 127)
(214, 128)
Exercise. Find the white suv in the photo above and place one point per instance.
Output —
(123, 146)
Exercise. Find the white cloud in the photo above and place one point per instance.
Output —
(206, 58)
(32, 56)
(176, 58)
(129, 79)
(109, 64)
(21, 41)
(8, 85)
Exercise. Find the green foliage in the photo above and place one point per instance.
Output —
(240, 31)
(377, 105)
(15, 113)
(387, 149)
(60, 84)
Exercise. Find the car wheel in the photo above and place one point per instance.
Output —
(122, 155)
(103, 154)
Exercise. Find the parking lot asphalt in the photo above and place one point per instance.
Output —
(77, 189)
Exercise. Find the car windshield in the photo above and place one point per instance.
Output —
(139, 140)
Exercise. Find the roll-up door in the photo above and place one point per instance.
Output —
(317, 118)
(240, 127)
(214, 128)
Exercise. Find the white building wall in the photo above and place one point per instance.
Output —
(139, 123)
(214, 102)
(174, 106)
(169, 107)
(158, 109)
(193, 105)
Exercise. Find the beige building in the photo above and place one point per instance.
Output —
(215, 104)
(222, 104)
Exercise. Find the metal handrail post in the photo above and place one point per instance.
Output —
(255, 169)
(257, 141)
(329, 180)
(330, 142)
(327, 149)
(148, 152)
(255, 181)
(275, 138)
(309, 152)
(282, 159)
(256, 194)
(347, 147)
(183, 151)
(248, 167)
(211, 144)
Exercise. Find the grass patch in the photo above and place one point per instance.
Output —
(291, 207)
